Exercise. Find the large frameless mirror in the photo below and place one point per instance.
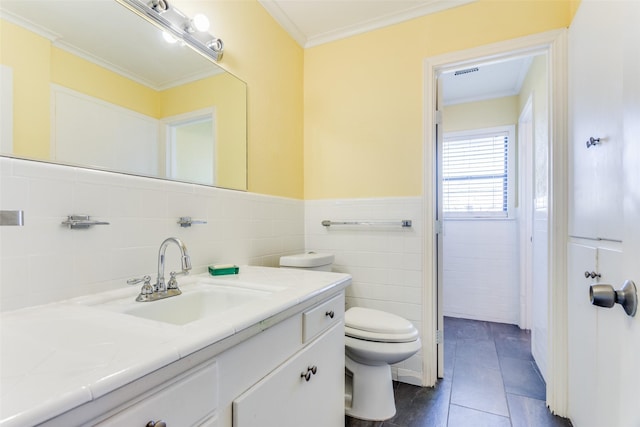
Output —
(92, 84)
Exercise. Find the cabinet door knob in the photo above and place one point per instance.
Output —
(330, 314)
(158, 423)
(592, 275)
(311, 370)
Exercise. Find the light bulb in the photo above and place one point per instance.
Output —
(168, 37)
(200, 22)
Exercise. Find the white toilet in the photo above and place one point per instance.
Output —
(374, 340)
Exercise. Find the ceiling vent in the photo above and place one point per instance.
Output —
(466, 71)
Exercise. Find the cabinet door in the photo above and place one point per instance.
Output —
(595, 337)
(285, 398)
(610, 335)
(596, 105)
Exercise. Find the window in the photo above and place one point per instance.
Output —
(477, 173)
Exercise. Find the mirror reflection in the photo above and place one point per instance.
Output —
(91, 83)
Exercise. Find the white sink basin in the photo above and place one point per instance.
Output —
(194, 304)
(204, 297)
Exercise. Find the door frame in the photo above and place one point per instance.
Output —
(525, 178)
(553, 43)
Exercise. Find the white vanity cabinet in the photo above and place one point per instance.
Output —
(304, 391)
(256, 377)
(189, 400)
(264, 380)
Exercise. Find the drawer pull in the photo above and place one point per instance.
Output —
(330, 314)
(158, 423)
(311, 370)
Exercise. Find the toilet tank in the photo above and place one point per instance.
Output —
(309, 261)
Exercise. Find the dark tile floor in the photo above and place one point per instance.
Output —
(490, 380)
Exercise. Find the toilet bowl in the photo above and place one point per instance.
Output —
(374, 340)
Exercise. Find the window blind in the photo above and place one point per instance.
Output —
(475, 175)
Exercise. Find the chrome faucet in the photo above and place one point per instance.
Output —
(162, 289)
(160, 285)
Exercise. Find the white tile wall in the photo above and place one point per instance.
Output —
(386, 262)
(481, 270)
(44, 261)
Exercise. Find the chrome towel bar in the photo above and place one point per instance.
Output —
(81, 222)
(12, 217)
(405, 223)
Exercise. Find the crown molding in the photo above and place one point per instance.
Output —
(306, 41)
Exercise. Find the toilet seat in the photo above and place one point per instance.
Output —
(374, 340)
(374, 325)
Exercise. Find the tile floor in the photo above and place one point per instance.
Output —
(491, 380)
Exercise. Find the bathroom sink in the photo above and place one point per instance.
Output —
(194, 305)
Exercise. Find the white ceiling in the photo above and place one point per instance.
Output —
(486, 81)
(314, 22)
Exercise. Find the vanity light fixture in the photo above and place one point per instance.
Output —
(199, 22)
(158, 5)
(177, 25)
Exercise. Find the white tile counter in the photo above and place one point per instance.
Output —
(56, 357)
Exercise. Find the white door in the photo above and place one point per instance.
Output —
(629, 360)
(604, 344)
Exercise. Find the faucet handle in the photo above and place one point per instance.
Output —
(173, 283)
(136, 280)
(147, 289)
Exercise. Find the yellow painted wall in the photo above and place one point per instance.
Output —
(261, 53)
(364, 95)
(76, 73)
(481, 114)
(31, 64)
(342, 119)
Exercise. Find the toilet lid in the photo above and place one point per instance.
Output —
(306, 260)
(376, 325)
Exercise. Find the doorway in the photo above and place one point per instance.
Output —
(552, 46)
(191, 147)
(494, 186)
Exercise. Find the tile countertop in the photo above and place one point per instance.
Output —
(58, 356)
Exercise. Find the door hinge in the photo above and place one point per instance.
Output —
(438, 117)
(439, 337)
(437, 226)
